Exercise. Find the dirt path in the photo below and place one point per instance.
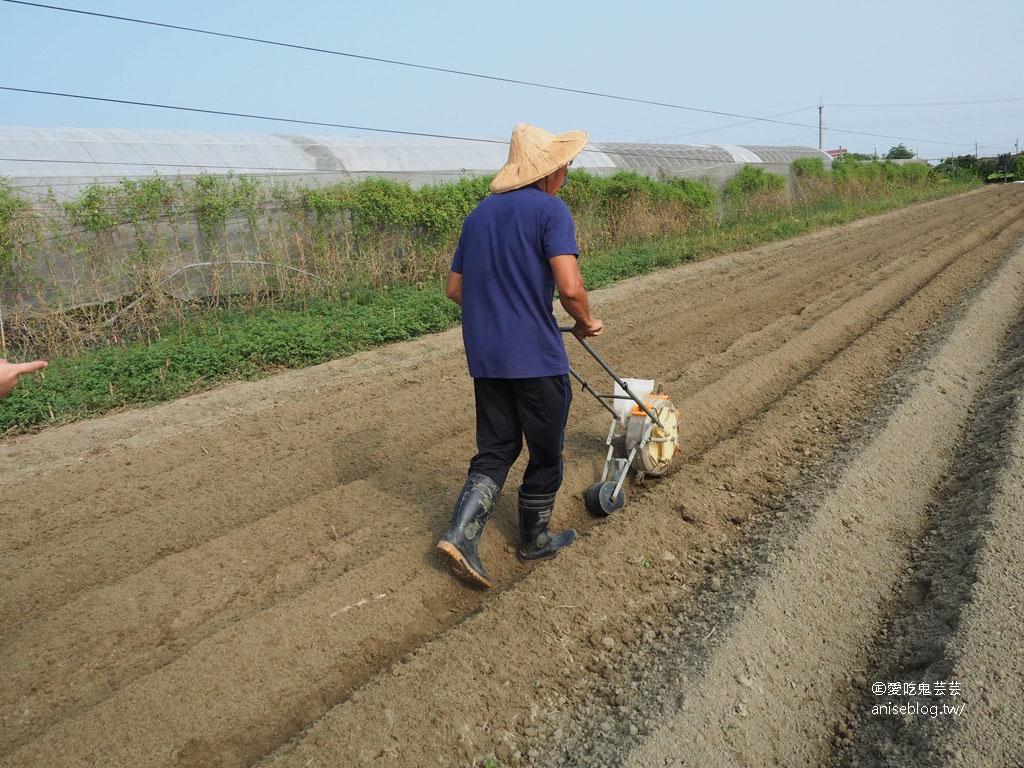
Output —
(248, 577)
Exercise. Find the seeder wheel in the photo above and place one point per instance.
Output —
(654, 455)
(599, 499)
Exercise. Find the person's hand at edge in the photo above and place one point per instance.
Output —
(9, 373)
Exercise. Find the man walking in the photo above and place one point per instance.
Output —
(516, 248)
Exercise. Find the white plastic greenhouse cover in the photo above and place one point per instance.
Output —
(36, 161)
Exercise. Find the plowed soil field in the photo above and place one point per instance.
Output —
(829, 573)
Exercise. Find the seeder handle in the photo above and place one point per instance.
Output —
(620, 382)
(598, 396)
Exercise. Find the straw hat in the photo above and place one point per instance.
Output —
(534, 153)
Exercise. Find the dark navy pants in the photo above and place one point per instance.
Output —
(511, 410)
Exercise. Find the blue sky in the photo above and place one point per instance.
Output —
(940, 77)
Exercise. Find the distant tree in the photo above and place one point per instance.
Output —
(1018, 167)
(899, 152)
(956, 167)
(989, 168)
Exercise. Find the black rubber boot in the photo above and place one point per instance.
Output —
(472, 511)
(534, 517)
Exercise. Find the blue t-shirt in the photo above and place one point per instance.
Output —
(508, 288)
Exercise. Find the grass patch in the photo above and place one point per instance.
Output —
(216, 347)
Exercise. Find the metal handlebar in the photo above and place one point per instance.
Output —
(620, 382)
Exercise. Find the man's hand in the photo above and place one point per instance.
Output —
(583, 330)
(9, 373)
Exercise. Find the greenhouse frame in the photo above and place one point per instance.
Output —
(64, 161)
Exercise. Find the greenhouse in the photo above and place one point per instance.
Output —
(38, 161)
(82, 231)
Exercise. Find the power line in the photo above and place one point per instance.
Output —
(619, 153)
(239, 114)
(226, 113)
(395, 62)
(364, 128)
(731, 125)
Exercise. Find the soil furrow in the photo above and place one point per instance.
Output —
(248, 575)
(938, 625)
(847, 562)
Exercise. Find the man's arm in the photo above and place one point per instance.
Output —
(573, 296)
(454, 288)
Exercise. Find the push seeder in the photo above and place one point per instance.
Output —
(644, 435)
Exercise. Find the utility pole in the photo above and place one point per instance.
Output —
(821, 143)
